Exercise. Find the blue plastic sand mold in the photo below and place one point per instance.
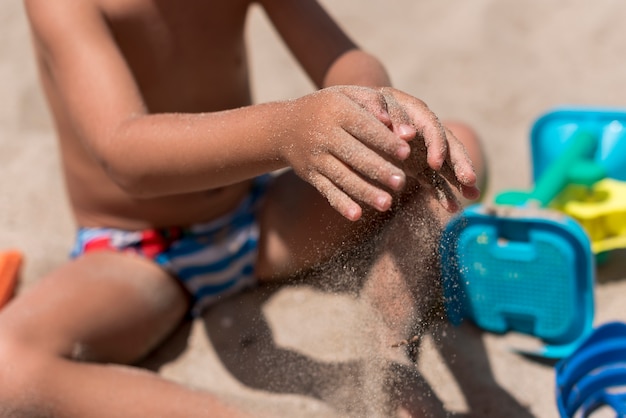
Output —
(594, 376)
(526, 264)
(552, 132)
(512, 269)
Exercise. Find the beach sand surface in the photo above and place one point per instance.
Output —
(301, 351)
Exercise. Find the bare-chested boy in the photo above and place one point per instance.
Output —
(165, 160)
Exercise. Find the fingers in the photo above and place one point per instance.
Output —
(337, 199)
(372, 101)
(458, 170)
(360, 189)
(345, 180)
(442, 192)
(405, 131)
(444, 152)
(378, 104)
(349, 149)
(364, 148)
(369, 164)
(438, 158)
(414, 112)
(376, 136)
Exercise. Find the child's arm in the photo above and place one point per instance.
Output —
(334, 59)
(323, 49)
(327, 137)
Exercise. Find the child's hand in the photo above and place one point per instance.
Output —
(353, 144)
(437, 157)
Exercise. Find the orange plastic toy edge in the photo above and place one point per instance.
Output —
(10, 263)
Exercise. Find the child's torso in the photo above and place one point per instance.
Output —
(186, 56)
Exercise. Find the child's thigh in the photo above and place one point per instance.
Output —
(300, 229)
(104, 306)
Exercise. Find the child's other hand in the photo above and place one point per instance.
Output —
(438, 159)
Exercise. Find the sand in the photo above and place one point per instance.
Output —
(300, 351)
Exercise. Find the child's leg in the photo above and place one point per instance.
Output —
(59, 338)
(395, 256)
(407, 266)
(393, 267)
(391, 254)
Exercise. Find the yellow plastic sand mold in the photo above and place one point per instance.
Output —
(601, 211)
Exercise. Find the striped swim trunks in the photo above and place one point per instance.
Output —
(212, 260)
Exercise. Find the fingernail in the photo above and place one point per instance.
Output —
(383, 202)
(403, 151)
(352, 213)
(435, 162)
(396, 181)
(406, 131)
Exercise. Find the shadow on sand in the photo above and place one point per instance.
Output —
(250, 354)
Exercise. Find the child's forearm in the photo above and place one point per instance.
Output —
(160, 154)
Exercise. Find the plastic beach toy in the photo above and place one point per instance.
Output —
(600, 209)
(573, 151)
(527, 262)
(10, 263)
(552, 132)
(594, 376)
(507, 268)
(575, 165)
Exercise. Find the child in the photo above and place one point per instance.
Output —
(166, 163)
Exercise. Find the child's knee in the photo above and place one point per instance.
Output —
(24, 370)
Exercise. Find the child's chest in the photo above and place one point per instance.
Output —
(178, 50)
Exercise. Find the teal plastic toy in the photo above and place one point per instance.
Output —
(576, 165)
(551, 133)
(508, 268)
